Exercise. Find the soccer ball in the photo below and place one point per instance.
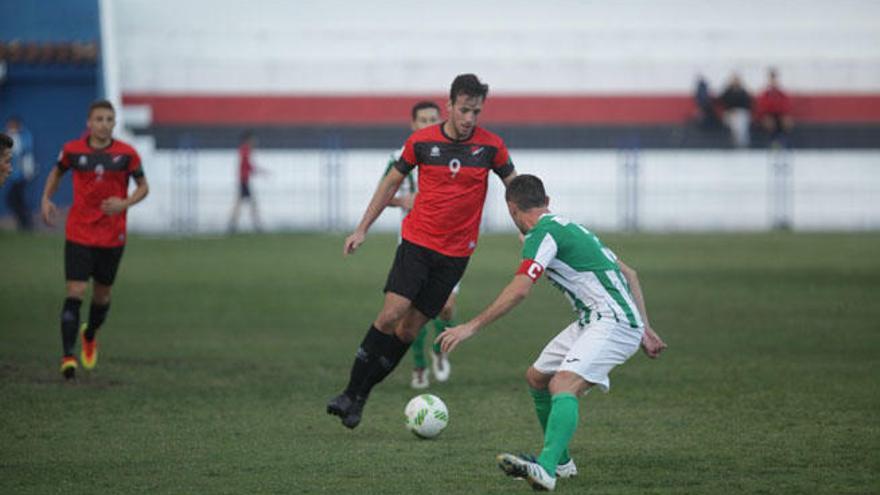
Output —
(426, 416)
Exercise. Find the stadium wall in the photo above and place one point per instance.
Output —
(563, 74)
(50, 98)
(559, 47)
(674, 190)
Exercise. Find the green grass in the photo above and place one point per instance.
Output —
(219, 355)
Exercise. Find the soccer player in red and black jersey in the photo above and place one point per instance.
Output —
(439, 234)
(246, 168)
(95, 231)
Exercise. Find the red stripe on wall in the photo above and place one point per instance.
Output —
(522, 110)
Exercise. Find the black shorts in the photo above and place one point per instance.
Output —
(424, 276)
(84, 262)
(244, 190)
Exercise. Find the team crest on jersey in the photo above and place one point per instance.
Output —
(117, 158)
(435, 151)
(83, 160)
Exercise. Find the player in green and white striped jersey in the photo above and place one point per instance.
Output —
(424, 114)
(611, 324)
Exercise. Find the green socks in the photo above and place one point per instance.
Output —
(418, 346)
(439, 327)
(561, 424)
(543, 405)
(418, 349)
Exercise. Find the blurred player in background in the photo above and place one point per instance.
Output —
(439, 234)
(95, 232)
(424, 114)
(24, 168)
(246, 168)
(5, 157)
(612, 323)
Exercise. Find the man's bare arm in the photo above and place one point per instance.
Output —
(114, 205)
(652, 344)
(509, 178)
(405, 201)
(47, 207)
(513, 294)
(384, 192)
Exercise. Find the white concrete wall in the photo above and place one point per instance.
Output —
(518, 46)
(679, 190)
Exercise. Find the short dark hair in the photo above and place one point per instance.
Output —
(101, 104)
(423, 105)
(246, 135)
(5, 142)
(468, 84)
(526, 192)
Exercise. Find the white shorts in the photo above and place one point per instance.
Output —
(591, 351)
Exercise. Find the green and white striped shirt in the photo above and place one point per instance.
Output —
(579, 265)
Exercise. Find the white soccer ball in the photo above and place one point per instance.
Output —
(426, 416)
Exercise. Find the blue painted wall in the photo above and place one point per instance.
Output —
(51, 99)
(49, 20)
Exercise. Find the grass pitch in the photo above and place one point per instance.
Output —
(219, 355)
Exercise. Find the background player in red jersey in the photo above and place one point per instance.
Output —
(246, 168)
(439, 234)
(95, 230)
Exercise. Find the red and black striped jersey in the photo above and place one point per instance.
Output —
(98, 174)
(453, 178)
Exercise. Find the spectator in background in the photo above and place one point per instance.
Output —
(737, 104)
(5, 157)
(246, 168)
(707, 116)
(23, 171)
(774, 110)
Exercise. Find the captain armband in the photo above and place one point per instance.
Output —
(531, 269)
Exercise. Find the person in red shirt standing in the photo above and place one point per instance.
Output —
(774, 109)
(246, 168)
(439, 235)
(95, 231)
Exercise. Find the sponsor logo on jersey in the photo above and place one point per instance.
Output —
(83, 160)
(435, 151)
